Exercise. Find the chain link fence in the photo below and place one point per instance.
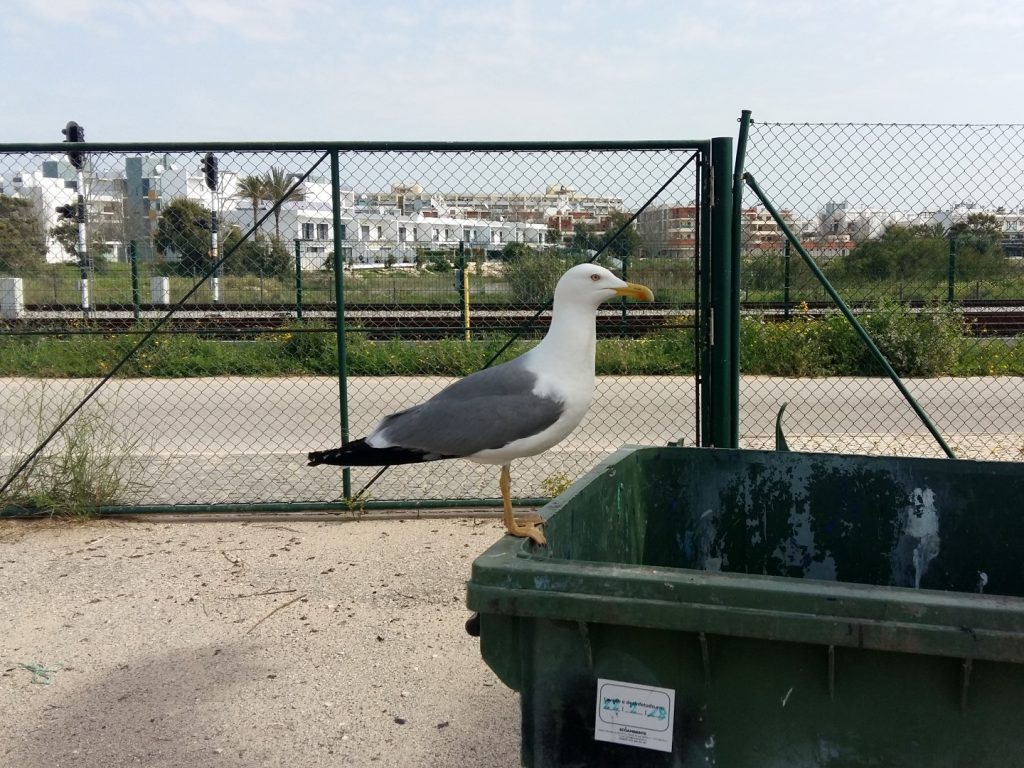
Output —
(920, 228)
(225, 268)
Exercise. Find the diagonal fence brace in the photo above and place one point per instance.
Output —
(864, 335)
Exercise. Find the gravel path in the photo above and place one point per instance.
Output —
(268, 642)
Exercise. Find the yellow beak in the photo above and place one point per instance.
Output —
(636, 291)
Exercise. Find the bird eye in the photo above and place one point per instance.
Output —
(595, 278)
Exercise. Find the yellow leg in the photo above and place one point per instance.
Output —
(529, 530)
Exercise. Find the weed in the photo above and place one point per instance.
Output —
(90, 464)
(555, 484)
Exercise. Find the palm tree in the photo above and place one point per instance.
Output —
(276, 185)
(253, 189)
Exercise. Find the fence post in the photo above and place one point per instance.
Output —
(84, 265)
(298, 279)
(721, 383)
(785, 281)
(462, 278)
(624, 304)
(12, 298)
(160, 290)
(737, 271)
(133, 260)
(339, 329)
(951, 272)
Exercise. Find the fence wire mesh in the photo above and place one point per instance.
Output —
(442, 254)
(921, 230)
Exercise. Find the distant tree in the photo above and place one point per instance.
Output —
(257, 255)
(979, 250)
(627, 244)
(276, 185)
(254, 190)
(979, 230)
(180, 232)
(583, 237)
(553, 235)
(532, 278)
(515, 251)
(22, 236)
(66, 235)
(438, 261)
(901, 254)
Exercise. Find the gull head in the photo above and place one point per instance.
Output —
(589, 284)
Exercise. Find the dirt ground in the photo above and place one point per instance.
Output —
(267, 642)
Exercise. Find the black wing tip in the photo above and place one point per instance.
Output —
(359, 454)
(315, 458)
(341, 455)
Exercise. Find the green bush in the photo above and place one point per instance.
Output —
(925, 343)
(531, 277)
(917, 343)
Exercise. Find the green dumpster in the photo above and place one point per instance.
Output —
(732, 608)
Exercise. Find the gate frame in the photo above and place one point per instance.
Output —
(716, 285)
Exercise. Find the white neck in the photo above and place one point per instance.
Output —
(569, 343)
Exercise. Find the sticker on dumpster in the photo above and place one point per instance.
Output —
(640, 716)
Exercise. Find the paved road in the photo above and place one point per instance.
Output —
(240, 440)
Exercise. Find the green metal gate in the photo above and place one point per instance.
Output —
(919, 228)
(346, 281)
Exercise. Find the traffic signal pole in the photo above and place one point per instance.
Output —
(209, 169)
(75, 133)
(215, 278)
(83, 253)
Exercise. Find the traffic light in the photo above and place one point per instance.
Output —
(67, 212)
(209, 169)
(74, 133)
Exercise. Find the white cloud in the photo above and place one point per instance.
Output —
(188, 21)
(524, 68)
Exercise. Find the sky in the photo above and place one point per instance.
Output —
(532, 70)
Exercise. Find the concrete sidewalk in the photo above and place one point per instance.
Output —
(272, 642)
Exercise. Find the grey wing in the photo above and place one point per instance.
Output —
(486, 410)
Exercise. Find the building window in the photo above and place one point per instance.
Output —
(402, 235)
(435, 234)
(380, 232)
(307, 231)
(364, 232)
(322, 232)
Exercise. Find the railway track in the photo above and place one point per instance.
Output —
(422, 321)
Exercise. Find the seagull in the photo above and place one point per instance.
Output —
(520, 408)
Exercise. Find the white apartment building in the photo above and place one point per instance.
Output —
(377, 238)
(46, 194)
(840, 222)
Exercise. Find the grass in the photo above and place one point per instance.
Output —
(670, 279)
(291, 353)
(89, 465)
(930, 343)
